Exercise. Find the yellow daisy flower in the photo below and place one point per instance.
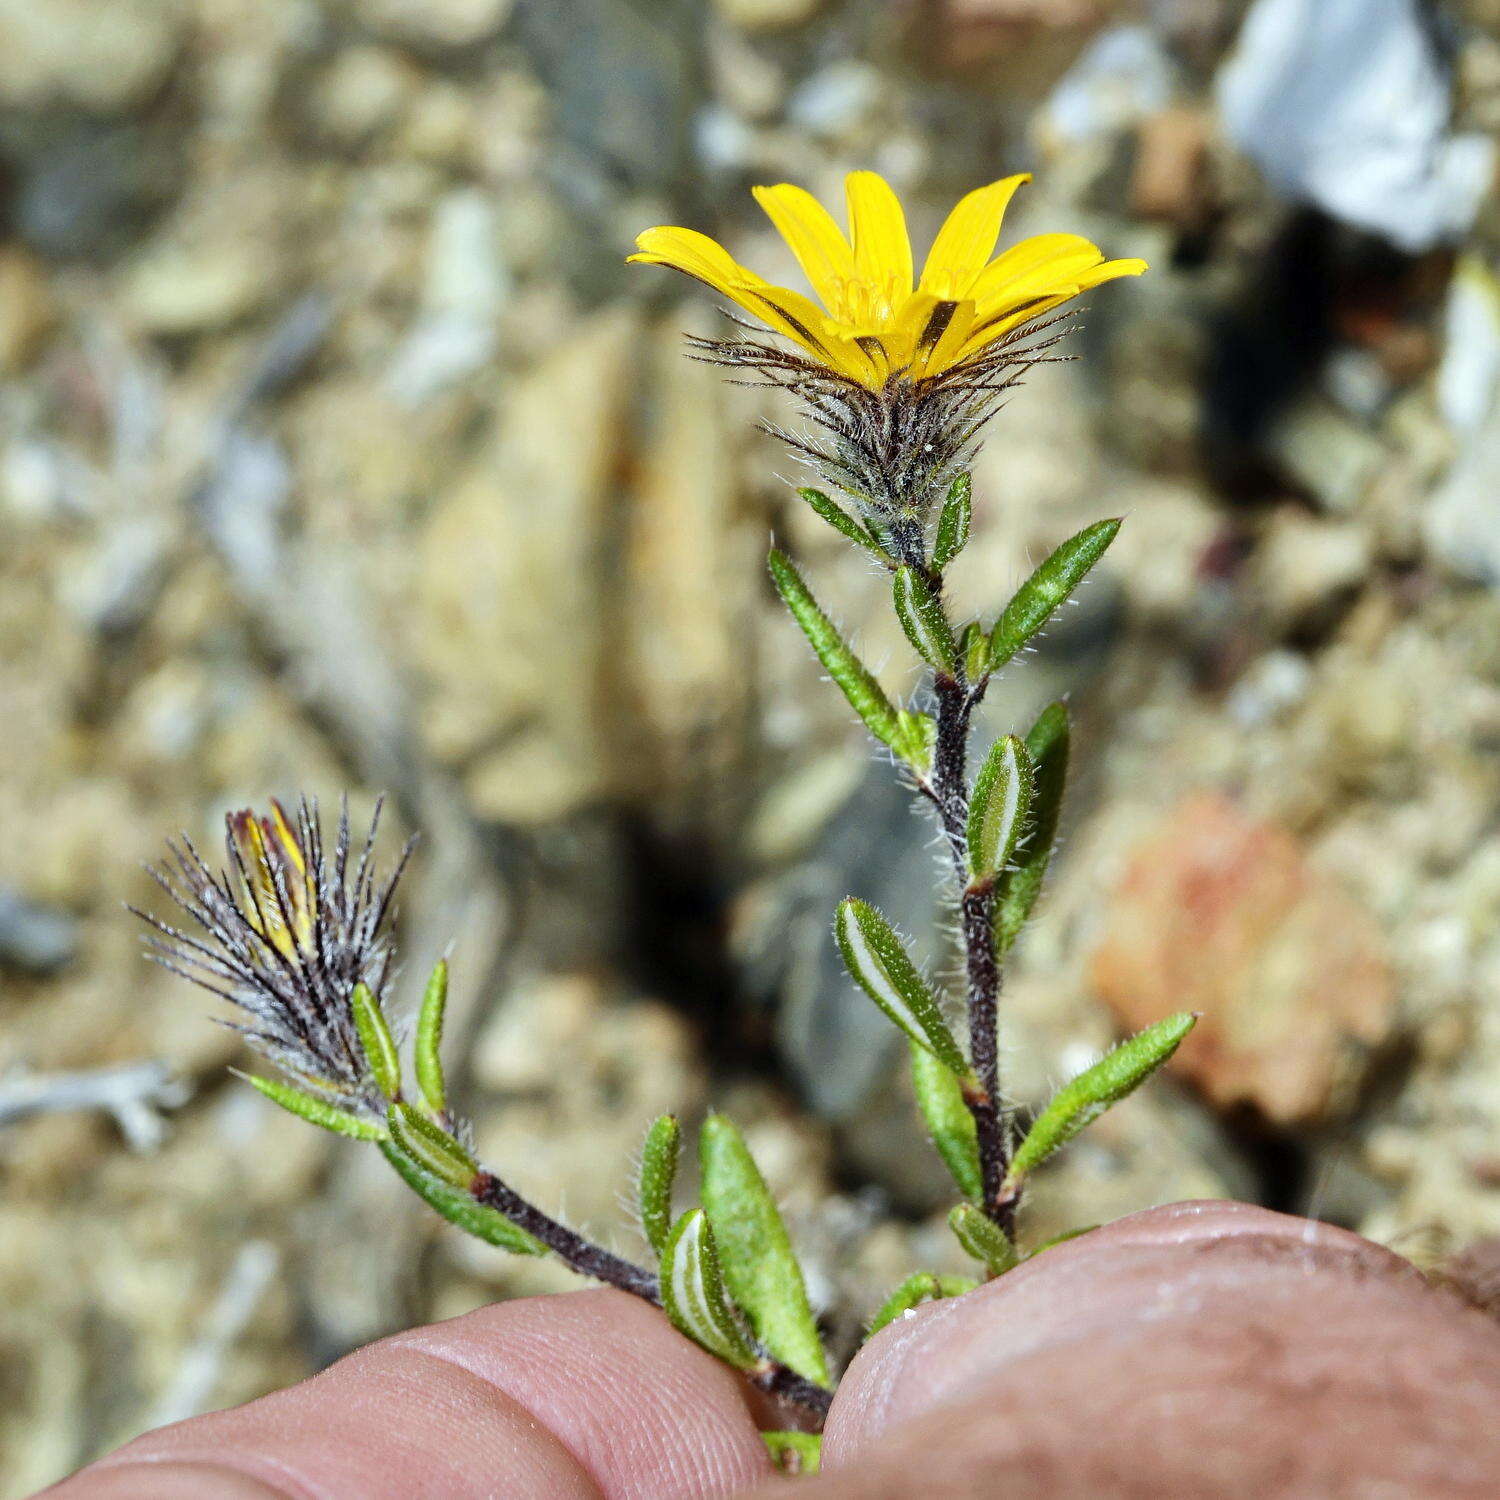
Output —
(874, 323)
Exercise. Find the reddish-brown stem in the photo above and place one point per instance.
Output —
(594, 1261)
(949, 792)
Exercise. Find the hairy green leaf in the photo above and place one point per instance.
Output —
(692, 1291)
(999, 806)
(841, 521)
(953, 523)
(878, 961)
(658, 1173)
(922, 618)
(433, 1149)
(1040, 595)
(795, 1452)
(1060, 1239)
(458, 1208)
(316, 1111)
(915, 1290)
(974, 651)
(376, 1039)
(940, 1097)
(982, 1238)
(865, 695)
(427, 1049)
(1020, 884)
(760, 1267)
(1117, 1074)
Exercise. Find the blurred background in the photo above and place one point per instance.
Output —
(339, 449)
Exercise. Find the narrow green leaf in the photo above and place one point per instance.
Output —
(692, 1291)
(915, 1290)
(999, 806)
(982, 1238)
(842, 522)
(940, 1097)
(878, 961)
(918, 734)
(458, 1208)
(922, 618)
(434, 1150)
(955, 1286)
(658, 1173)
(760, 1267)
(1020, 884)
(1060, 1239)
(316, 1111)
(953, 523)
(1040, 595)
(376, 1039)
(1117, 1074)
(795, 1453)
(428, 1046)
(974, 651)
(865, 695)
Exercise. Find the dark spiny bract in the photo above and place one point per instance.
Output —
(288, 929)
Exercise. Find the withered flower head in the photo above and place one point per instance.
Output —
(288, 931)
(898, 376)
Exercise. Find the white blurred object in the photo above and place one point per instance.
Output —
(1346, 104)
(1460, 523)
(1123, 75)
(192, 1388)
(133, 1093)
(466, 287)
(1469, 374)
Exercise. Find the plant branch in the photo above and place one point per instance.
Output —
(949, 792)
(787, 1385)
(570, 1247)
(594, 1261)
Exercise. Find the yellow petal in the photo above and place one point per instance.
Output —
(1068, 274)
(967, 238)
(281, 825)
(1112, 270)
(816, 241)
(877, 227)
(948, 348)
(695, 254)
(988, 332)
(1060, 257)
(803, 321)
(917, 326)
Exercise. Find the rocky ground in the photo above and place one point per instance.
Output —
(339, 449)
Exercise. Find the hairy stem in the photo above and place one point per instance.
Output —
(594, 1261)
(787, 1385)
(949, 792)
(570, 1247)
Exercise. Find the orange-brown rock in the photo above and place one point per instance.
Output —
(1220, 913)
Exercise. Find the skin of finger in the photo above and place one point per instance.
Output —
(1201, 1350)
(580, 1395)
(941, 1349)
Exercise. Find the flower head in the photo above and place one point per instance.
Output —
(874, 322)
(898, 373)
(287, 932)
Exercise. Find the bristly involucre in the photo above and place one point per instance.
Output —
(288, 930)
(897, 448)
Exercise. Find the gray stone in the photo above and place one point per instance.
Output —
(35, 939)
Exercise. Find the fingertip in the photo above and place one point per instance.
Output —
(565, 1397)
(1152, 1264)
(645, 1411)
